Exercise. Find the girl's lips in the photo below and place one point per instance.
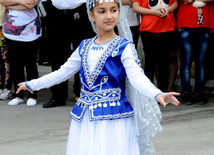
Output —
(109, 23)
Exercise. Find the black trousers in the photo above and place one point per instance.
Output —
(157, 47)
(135, 34)
(44, 53)
(22, 55)
(62, 29)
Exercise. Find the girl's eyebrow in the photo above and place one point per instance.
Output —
(100, 8)
(104, 7)
(114, 7)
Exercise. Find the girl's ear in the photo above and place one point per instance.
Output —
(92, 16)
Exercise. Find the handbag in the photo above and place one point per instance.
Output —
(2, 14)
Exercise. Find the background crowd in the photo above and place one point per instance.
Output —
(176, 36)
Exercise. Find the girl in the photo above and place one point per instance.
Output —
(22, 31)
(103, 122)
(157, 30)
(194, 24)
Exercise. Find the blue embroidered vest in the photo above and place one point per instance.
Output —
(103, 91)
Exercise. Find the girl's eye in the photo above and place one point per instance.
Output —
(114, 10)
(101, 12)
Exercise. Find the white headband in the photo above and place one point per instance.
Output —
(93, 3)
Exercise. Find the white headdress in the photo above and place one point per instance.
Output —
(123, 26)
(147, 114)
(93, 3)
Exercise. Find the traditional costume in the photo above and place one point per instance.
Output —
(112, 116)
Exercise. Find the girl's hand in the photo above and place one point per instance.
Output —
(28, 3)
(167, 11)
(158, 12)
(22, 86)
(168, 98)
(186, 2)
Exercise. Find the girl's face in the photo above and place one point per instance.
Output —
(105, 15)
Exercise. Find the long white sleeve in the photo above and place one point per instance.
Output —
(133, 71)
(66, 71)
(67, 4)
(136, 75)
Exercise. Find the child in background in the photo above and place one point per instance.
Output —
(195, 21)
(157, 30)
(102, 119)
(22, 31)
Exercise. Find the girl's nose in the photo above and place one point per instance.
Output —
(109, 16)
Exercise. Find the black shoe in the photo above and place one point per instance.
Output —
(186, 98)
(200, 98)
(54, 103)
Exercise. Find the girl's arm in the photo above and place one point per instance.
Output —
(205, 0)
(171, 8)
(144, 11)
(28, 4)
(65, 72)
(186, 2)
(17, 7)
(141, 82)
(127, 2)
(9, 2)
(191, 1)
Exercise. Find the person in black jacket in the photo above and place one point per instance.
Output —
(65, 26)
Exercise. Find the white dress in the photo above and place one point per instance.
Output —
(109, 137)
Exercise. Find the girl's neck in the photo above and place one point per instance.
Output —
(105, 37)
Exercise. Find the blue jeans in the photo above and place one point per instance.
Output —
(193, 41)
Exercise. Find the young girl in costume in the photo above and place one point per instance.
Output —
(112, 88)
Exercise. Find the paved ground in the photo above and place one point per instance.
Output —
(188, 130)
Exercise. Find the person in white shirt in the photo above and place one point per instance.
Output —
(22, 30)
